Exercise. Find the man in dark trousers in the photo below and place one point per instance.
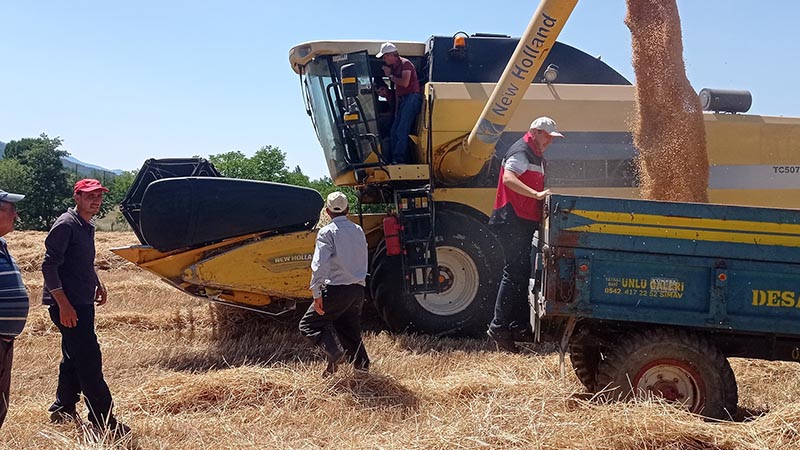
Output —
(13, 298)
(516, 215)
(339, 271)
(71, 289)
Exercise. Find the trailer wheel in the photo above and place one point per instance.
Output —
(470, 262)
(676, 365)
(585, 358)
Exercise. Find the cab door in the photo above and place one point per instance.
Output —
(357, 118)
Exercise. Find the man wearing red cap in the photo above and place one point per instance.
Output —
(71, 289)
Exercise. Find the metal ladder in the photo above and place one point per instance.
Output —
(418, 240)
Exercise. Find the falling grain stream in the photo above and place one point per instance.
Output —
(668, 126)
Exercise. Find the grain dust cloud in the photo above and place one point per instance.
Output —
(668, 126)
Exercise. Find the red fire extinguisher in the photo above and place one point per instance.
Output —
(391, 233)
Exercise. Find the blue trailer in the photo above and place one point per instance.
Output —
(651, 297)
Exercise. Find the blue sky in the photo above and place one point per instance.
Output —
(121, 82)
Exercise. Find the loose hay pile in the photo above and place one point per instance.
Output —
(668, 128)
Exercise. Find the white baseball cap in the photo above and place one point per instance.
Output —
(9, 197)
(546, 124)
(386, 47)
(337, 202)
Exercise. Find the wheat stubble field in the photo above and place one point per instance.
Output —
(187, 376)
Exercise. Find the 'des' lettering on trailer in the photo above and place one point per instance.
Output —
(775, 299)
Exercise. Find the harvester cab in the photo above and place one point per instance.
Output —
(349, 116)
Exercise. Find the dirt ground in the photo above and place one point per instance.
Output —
(181, 381)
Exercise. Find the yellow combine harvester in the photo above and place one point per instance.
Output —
(480, 93)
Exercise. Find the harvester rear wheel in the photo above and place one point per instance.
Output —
(679, 366)
(470, 263)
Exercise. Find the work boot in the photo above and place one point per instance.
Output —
(330, 345)
(62, 416)
(113, 431)
(361, 366)
(522, 335)
(503, 341)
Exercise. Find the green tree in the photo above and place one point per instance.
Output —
(117, 188)
(234, 164)
(15, 177)
(49, 192)
(269, 164)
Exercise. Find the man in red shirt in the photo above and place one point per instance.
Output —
(516, 216)
(408, 99)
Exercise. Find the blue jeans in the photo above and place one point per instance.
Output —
(408, 108)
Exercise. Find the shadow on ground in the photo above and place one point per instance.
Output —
(375, 391)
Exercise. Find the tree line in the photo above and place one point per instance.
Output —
(32, 166)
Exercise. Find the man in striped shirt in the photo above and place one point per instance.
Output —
(13, 298)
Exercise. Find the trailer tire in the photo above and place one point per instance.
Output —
(679, 366)
(471, 260)
(586, 349)
(585, 359)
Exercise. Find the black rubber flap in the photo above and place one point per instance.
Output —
(192, 211)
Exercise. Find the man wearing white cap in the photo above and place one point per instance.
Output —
(516, 215)
(408, 99)
(338, 277)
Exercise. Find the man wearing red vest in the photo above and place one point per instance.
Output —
(516, 216)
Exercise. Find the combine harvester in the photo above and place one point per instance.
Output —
(227, 246)
(684, 283)
(231, 240)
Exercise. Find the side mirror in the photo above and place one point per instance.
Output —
(349, 77)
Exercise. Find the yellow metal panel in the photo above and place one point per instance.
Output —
(481, 199)
(771, 198)
(278, 266)
(575, 107)
(699, 229)
(735, 139)
(171, 264)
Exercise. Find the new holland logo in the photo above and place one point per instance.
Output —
(299, 257)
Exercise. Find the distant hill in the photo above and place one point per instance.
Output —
(88, 170)
(79, 167)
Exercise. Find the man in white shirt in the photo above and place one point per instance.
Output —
(338, 278)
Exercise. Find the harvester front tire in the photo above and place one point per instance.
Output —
(471, 262)
(677, 365)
